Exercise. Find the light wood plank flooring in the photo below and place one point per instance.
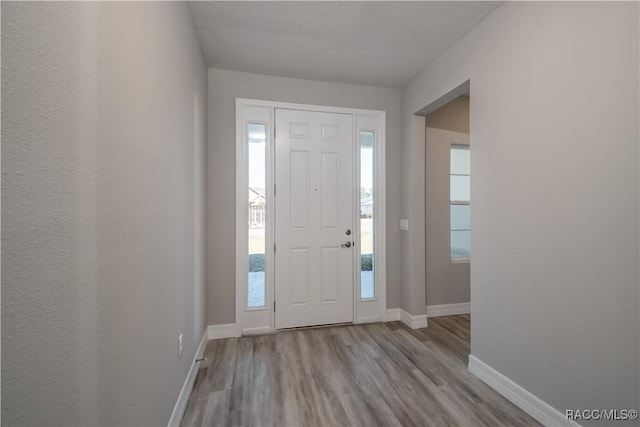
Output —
(380, 374)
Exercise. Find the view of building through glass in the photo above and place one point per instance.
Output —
(367, 285)
(257, 143)
(256, 295)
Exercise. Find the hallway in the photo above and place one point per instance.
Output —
(130, 243)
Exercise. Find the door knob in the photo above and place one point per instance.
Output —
(346, 245)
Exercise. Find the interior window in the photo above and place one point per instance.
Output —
(460, 201)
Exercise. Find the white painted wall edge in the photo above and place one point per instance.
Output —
(448, 309)
(187, 387)
(519, 396)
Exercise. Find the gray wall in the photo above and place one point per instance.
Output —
(103, 149)
(554, 131)
(224, 88)
(447, 282)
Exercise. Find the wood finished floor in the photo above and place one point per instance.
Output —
(380, 374)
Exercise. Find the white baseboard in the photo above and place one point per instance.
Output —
(187, 387)
(448, 309)
(226, 330)
(414, 322)
(230, 330)
(393, 314)
(540, 410)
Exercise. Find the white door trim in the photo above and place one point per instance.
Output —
(249, 320)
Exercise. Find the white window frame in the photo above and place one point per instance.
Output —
(457, 260)
(260, 320)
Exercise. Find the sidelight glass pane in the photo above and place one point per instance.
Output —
(367, 195)
(257, 149)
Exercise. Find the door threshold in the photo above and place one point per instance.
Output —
(326, 325)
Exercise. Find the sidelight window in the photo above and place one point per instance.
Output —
(257, 148)
(367, 197)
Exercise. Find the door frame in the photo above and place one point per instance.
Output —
(260, 320)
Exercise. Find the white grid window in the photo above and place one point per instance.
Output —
(460, 200)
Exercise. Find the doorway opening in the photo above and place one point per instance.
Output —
(310, 207)
(448, 204)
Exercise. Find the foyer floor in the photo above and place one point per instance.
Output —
(381, 374)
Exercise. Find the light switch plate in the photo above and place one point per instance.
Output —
(404, 224)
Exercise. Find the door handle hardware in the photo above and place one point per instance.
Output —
(346, 245)
(348, 232)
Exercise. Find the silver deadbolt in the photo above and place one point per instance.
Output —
(346, 245)
(348, 232)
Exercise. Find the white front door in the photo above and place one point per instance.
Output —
(314, 211)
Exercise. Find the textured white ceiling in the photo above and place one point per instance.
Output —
(369, 43)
